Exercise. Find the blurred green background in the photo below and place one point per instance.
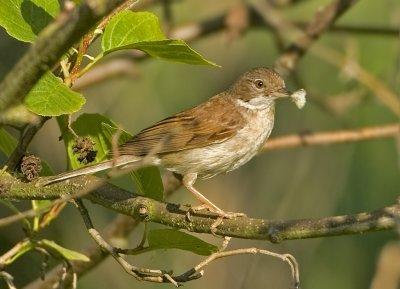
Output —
(296, 183)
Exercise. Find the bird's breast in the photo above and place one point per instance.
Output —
(228, 155)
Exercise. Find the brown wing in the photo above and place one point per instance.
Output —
(212, 122)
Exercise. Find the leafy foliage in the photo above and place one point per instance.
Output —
(50, 97)
(173, 239)
(148, 182)
(24, 19)
(141, 30)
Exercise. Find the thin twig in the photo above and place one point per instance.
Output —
(92, 35)
(294, 267)
(23, 143)
(8, 278)
(120, 227)
(139, 273)
(323, 20)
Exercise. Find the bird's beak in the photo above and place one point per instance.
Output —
(282, 93)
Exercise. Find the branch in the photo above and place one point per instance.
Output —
(141, 274)
(335, 137)
(108, 70)
(173, 215)
(53, 42)
(281, 142)
(198, 270)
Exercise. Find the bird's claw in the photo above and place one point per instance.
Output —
(194, 210)
(221, 216)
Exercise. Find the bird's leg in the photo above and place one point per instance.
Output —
(188, 181)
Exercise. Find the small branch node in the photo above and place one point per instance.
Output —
(142, 211)
(273, 235)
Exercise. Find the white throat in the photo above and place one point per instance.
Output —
(256, 103)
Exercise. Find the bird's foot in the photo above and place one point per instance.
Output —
(224, 215)
(194, 210)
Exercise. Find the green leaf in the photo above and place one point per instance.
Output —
(141, 30)
(24, 19)
(148, 183)
(173, 50)
(130, 27)
(51, 97)
(63, 252)
(173, 239)
(7, 142)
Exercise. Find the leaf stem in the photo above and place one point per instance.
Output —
(89, 66)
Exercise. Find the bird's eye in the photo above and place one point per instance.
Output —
(259, 83)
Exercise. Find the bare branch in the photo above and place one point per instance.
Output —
(198, 271)
(139, 273)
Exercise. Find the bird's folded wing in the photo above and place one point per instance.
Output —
(212, 122)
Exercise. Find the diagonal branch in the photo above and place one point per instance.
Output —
(323, 20)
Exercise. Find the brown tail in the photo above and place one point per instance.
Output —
(119, 162)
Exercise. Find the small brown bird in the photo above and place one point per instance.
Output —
(214, 137)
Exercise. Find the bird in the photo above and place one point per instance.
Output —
(214, 137)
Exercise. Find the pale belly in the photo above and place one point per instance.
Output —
(223, 157)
